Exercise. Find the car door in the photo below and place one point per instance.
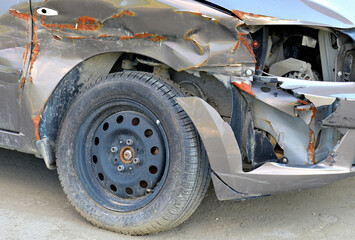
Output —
(15, 23)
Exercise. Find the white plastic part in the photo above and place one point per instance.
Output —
(47, 11)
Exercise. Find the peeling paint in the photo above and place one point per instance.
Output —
(20, 15)
(23, 81)
(312, 139)
(242, 15)
(84, 23)
(188, 38)
(311, 147)
(124, 13)
(304, 102)
(235, 48)
(152, 37)
(247, 45)
(35, 49)
(36, 121)
(244, 87)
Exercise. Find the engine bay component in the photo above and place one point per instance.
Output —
(293, 68)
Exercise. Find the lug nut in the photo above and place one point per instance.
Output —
(129, 142)
(114, 149)
(136, 161)
(120, 168)
(128, 154)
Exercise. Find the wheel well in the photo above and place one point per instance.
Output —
(68, 88)
(205, 86)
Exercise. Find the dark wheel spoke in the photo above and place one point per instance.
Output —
(126, 145)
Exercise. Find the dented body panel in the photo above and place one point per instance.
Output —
(265, 134)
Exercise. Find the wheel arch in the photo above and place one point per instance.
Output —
(67, 88)
(70, 86)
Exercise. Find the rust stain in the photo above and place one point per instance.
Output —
(152, 37)
(124, 13)
(36, 121)
(82, 24)
(28, 46)
(239, 24)
(20, 15)
(235, 48)
(239, 14)
(247, 45)
(244, 87)
(311, 147)
(312, 139)
(35, 49)
(255, 44)
(57, 37)
(198, 66)
(188, 38)
(92, 37)
(243, 15)
(303, 102)
(23, 80)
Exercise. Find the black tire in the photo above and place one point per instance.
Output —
(180, 181)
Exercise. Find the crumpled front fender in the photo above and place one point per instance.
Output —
(226, 162)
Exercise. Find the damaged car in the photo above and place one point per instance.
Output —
(138, 104)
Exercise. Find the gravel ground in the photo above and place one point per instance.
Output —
(33, 206)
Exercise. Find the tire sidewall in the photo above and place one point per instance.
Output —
(164, 107)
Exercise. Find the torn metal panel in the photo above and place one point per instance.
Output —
(332, 13)
(343, 117)
(271, 177)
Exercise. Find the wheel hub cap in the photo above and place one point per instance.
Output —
(128, 155)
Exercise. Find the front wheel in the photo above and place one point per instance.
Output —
(129, 158)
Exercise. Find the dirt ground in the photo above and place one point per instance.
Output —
(33, 206)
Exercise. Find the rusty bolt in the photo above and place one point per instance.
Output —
(129, 142)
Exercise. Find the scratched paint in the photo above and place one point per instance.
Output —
(20, 15)
(81, 24)
(35, 49)
(36, 120)
(124, 12)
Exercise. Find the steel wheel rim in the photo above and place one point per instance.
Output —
(108, 130)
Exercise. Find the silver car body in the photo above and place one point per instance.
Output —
(50, 50)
